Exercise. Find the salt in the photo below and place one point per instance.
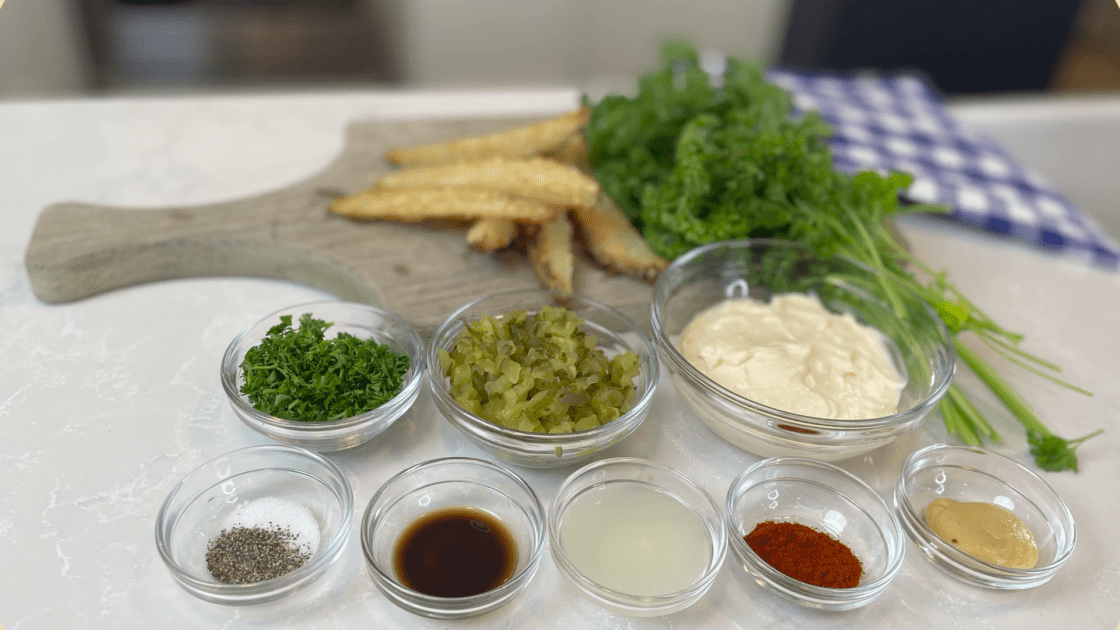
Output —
(276, 513)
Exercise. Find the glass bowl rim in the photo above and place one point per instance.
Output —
(815, 423)
(640, 602)
(536, 512)
(229, 383)
(823, 592)
(992, 570)
(546, 440)
(325, 556)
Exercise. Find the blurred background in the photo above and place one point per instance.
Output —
(62, 48)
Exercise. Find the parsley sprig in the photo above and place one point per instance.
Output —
(298, 374)
(692, 161)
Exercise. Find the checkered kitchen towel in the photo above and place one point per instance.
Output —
(899, 123)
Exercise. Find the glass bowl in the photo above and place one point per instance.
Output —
(918, 344)
(452, 483)
(655, 523)
(201, 505)
(965, 473)
(362, 321)
(616, 333)
(828, 499)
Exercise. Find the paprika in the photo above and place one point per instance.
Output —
(805, 554)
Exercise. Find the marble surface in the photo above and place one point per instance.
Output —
(106, 403)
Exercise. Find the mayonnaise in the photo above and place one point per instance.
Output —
(985, 531)
(793, 354)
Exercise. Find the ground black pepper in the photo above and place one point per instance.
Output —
(243, 555)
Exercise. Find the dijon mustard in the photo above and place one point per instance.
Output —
(985, 531)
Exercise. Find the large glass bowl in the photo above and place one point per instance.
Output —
(197, 508)
(616, 333)
(828, 499)
(967, 474)
(362, 321)
(449, 483)
(917, 341)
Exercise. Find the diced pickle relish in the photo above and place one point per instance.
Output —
(538, 373)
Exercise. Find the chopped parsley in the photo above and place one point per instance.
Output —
(298, 374)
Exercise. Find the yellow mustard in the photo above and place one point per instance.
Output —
(985, 531)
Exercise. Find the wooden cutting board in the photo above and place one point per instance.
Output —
(420, 271)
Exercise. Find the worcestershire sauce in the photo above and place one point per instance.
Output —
(455, 552)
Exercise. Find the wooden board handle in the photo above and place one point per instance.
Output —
(79, 250)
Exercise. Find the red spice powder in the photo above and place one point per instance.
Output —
(802, 430)
(805, 554)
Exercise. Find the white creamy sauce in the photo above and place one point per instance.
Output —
(793, 354)
(634, 539)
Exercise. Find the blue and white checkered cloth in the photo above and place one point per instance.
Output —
(898, 123)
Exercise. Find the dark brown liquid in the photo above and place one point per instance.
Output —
(455, 552)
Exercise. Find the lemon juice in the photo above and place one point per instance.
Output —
(636, 539)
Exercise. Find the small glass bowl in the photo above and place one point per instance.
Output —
(965, 473)
(197, 507)
(616, 334)
(452, 482)
(827, 499)
(624, 473)
(919, 345)
(362, 321)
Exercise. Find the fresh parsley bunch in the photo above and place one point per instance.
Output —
(694, 159)
(298, 374)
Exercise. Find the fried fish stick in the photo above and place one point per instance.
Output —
(572, 151)
(546, 181)
(417, 204)
(614, 242)
(487, 235)
(519, 142)
(550, 253)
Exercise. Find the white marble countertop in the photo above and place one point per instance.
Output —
(106, 403)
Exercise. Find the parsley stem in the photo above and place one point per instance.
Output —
(1010, 353)
(1014, 348)
(1078, 441)
(1002, 389)
(876, 261)
(941, 285)
(956, 423)
(971, 414)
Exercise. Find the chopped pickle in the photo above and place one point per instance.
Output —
(538, 373)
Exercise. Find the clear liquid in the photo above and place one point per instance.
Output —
(635, 539)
